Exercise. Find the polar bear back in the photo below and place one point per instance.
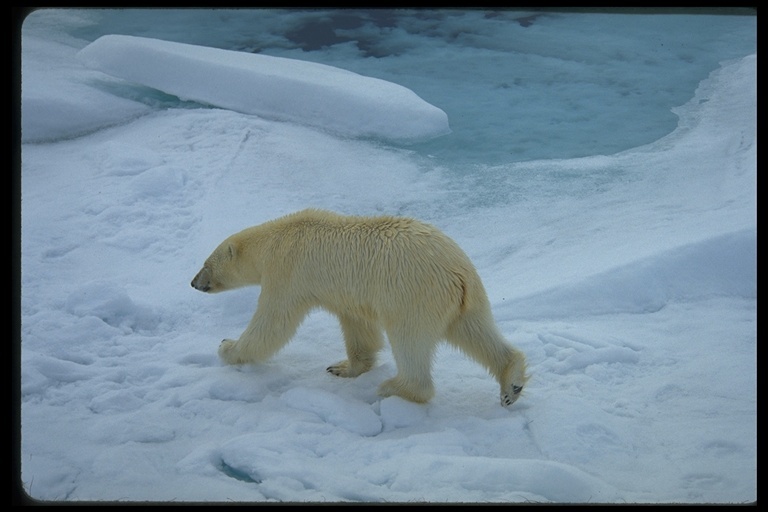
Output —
(389, 265)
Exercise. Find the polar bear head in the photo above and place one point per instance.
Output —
(222, 270)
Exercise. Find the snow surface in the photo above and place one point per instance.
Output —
(629, 280)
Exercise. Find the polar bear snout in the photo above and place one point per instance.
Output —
(202, 280)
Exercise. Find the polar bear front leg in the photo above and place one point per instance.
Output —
(272, 326)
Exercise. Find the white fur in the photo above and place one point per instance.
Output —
(390, 274)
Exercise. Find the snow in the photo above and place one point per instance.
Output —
(271, 87)
(628, 279)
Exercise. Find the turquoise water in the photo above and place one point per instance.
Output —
(516, 85)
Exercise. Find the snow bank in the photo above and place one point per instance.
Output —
(57, 100)
(355, 417)
(272, 87)
(722, 265)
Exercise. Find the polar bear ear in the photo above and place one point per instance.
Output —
(231, 250)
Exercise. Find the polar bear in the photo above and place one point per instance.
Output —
(390, 274)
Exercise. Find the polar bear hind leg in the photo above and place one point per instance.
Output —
(475, 334)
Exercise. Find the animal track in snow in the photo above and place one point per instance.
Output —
(576, 353)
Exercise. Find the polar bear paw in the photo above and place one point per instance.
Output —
(340, 369)
(228, 352)
(347, 369)
(511, 395)
(397, 386)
